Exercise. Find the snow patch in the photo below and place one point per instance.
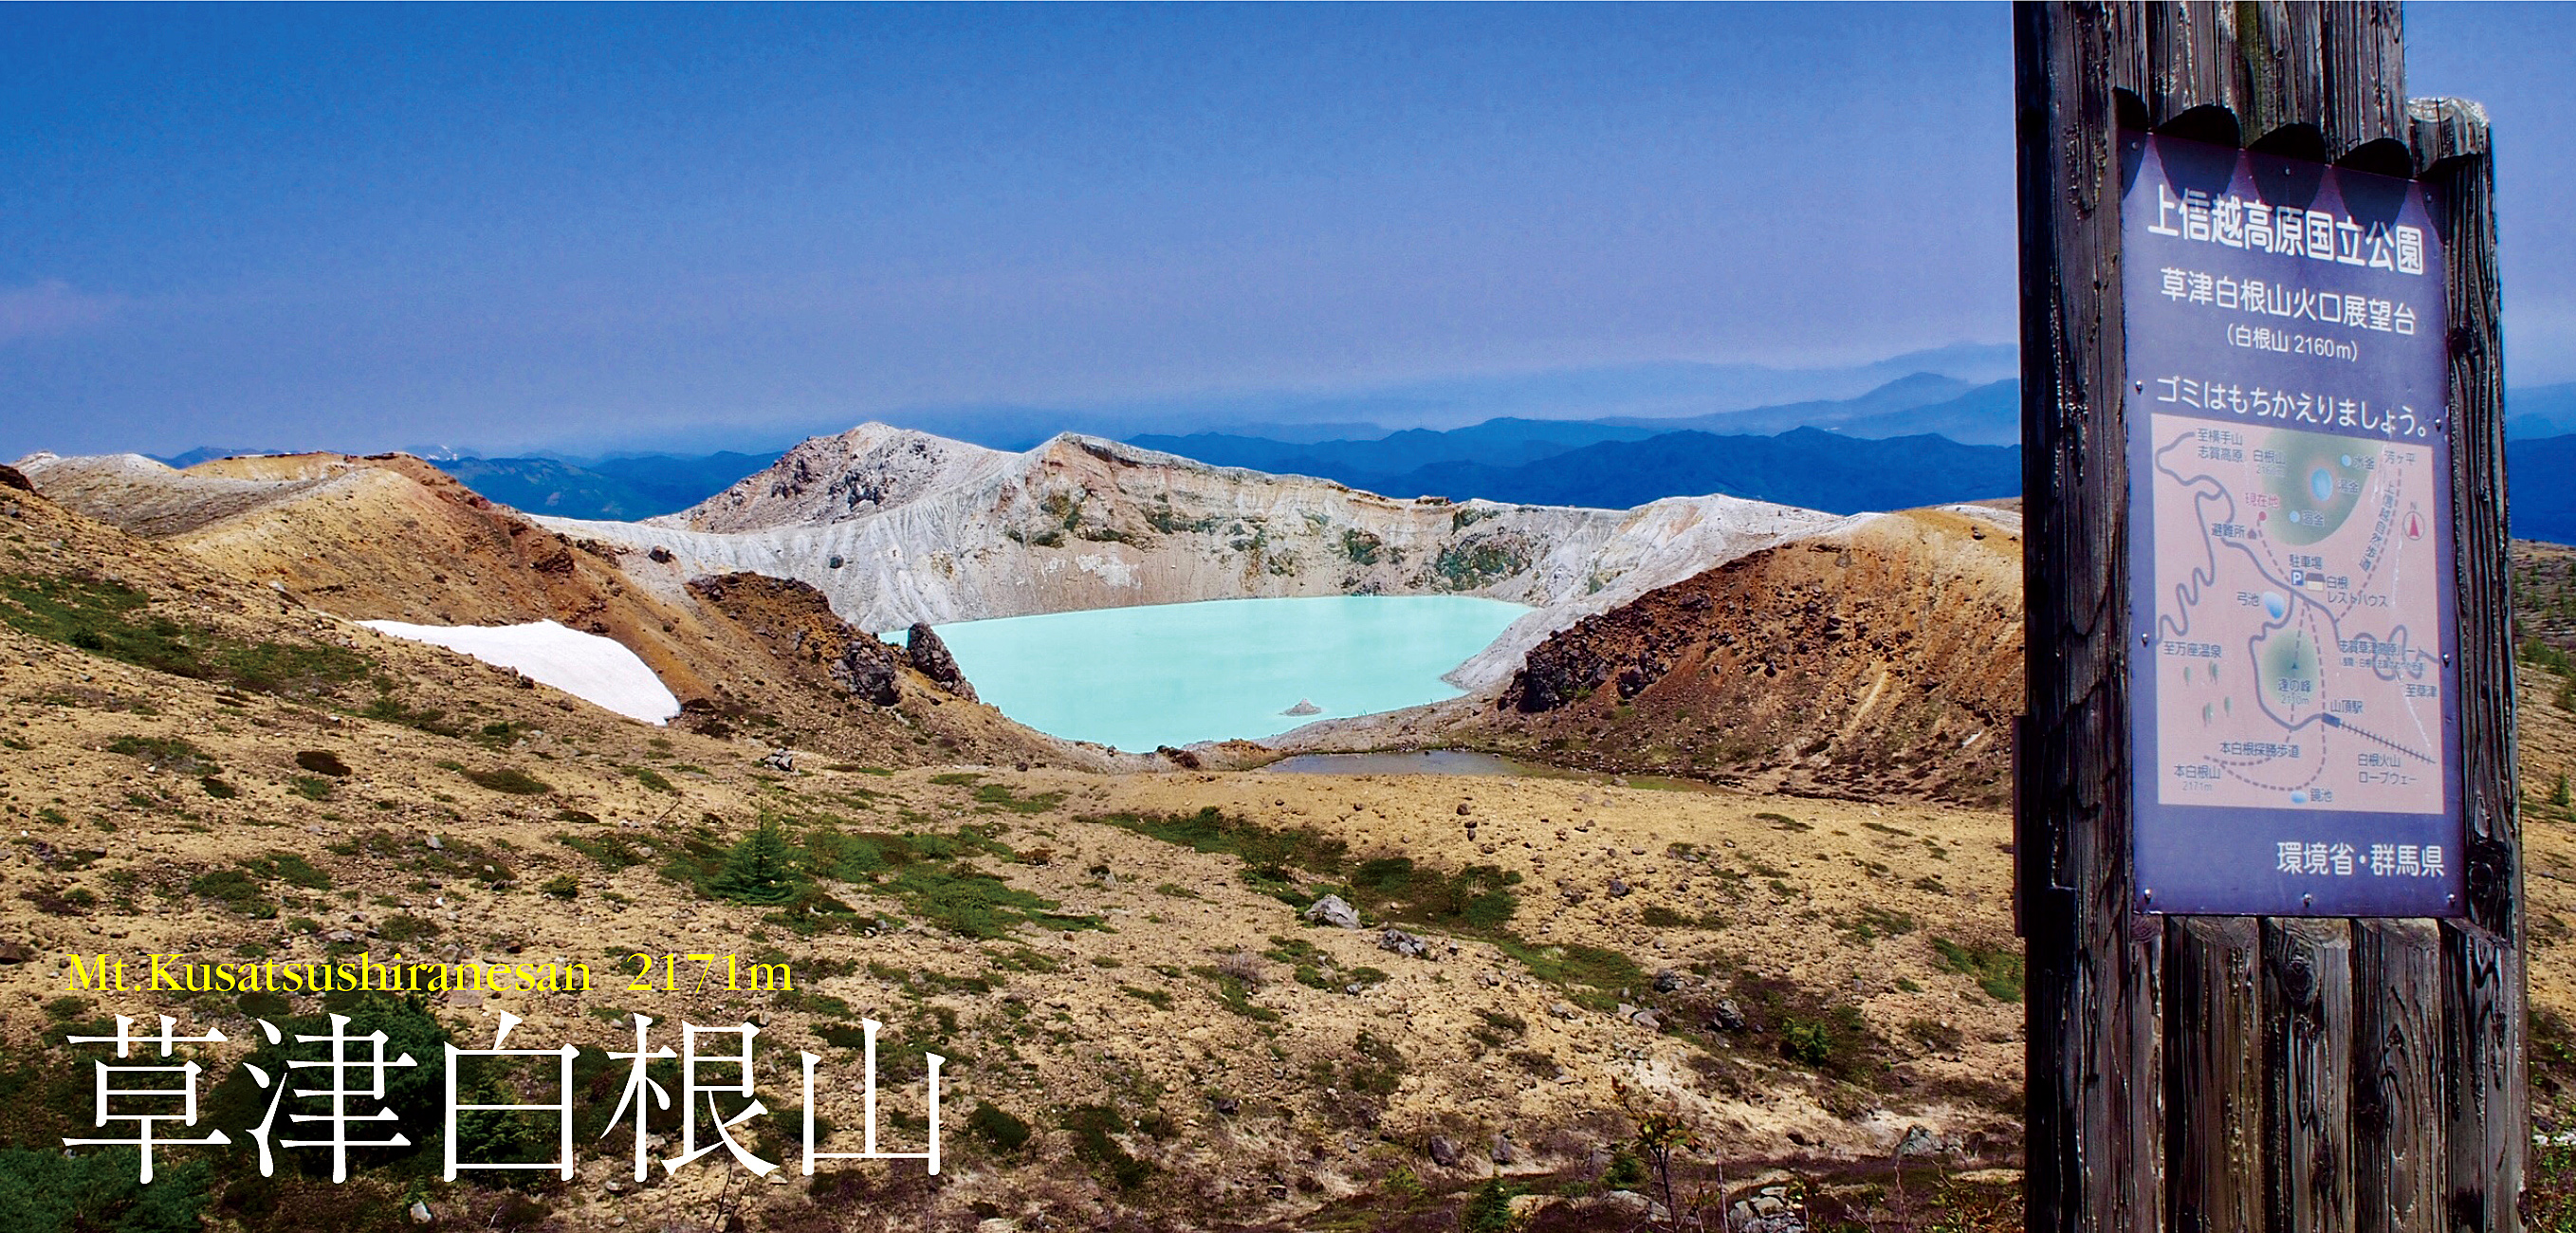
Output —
(597, 670)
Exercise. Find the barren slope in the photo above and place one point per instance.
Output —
(1083, 947)
(1879, 660)
(393, 538)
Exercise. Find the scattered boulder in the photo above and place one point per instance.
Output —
(1443, 1152)
(323, 762)
(1768, 1211)
(1404, 944)
(1505, 1151)
(1624, 1202)
(1619, 889)
(1667, 980)
(1728, 1017)
(660, 555)
(929, 656)
(870, 676)
(1332, 910)
(783, 760)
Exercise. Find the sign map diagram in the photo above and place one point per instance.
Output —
(2296, 644)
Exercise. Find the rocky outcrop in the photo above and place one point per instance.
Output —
(929, 656)
(925, 531)
(1332, 910)
(792, 617)
(868, 676)
(868, 470)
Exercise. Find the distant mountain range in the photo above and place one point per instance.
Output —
(1921, 437)
(2540, 411)
(1806, 467)
(2544, 498)
(617, 488)
(1640, 392)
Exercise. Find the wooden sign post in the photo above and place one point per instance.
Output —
(2268, 639)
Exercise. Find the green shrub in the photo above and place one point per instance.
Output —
(998, 1127)
(1809, 1042)
(415, 1093)
(290, 868)
(1626, 1172)
(100, 1191)
(166, 753)
(263, 1004)
(759, 869)
(1093, 1127)
(1997, 971)
(999, 796)
(1489, 1210)
(236, 890)
(511, 780)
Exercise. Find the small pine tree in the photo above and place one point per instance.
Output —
(1489, 1210)
(2559, 795)
(760, 869)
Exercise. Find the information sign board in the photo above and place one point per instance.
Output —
(2295, 717)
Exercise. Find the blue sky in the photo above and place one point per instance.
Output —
(362, 228)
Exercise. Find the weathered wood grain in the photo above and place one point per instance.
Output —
(2214, 1070)
(2486, 1133)
(2397, 1112)
(2484, 1119)
(2095, 1134)
(2307, 995)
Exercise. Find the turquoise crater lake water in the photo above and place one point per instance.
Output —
(1171, 674)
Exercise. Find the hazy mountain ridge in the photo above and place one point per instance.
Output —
(639, 486)
(2541, 496)
(2540, 411)
(1807, 467)
(1765, 457)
